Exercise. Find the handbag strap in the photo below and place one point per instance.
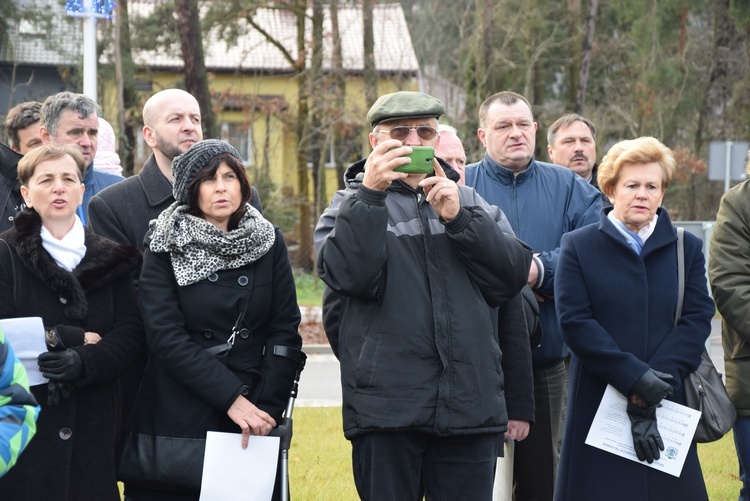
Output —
(680, 273)
(225, 347)
(13, 270)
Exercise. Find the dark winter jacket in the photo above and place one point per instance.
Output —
(186, 391)
(730, 283)
(417, 337)
(617, 312)
(10, 188)
(72, 456)
(542, 203)
(121, 213)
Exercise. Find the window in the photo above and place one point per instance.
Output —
(240, 135)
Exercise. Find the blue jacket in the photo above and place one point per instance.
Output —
(18, 409)
(95, 181)
(542, 203)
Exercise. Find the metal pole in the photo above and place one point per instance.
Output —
(728, 166)
(89, 50)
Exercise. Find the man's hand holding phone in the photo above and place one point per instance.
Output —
(380, 165)
(442, 193)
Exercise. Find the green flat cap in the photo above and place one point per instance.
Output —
(404, 104)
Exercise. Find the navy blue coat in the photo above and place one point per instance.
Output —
(616, 311)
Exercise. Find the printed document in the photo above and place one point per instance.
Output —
(610, 431)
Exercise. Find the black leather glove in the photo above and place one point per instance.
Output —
(646, 438)
(653, 386)
(57, 390)
(65, 365)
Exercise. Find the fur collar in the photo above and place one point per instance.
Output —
(104, 262)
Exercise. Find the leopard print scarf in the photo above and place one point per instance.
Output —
(198, 248)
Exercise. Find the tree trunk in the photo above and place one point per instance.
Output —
(588, 41)
(370, 74)
(718, 66)
(196, 79)
(125, 77)
(339, 84)
(317, 139)
(304, 255)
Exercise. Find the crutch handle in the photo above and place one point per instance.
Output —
(297, 356)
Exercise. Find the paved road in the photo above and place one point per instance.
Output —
(320, 384)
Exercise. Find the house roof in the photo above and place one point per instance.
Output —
(394, 52)
(44, 37)
(56, 39)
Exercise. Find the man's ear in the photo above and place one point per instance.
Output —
(536, 126)
(373, 139)
(45, 135)
(480, 135)
(148, 136)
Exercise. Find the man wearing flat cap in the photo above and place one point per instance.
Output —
(419, 265)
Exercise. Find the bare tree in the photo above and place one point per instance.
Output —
(125, 83)
(191, 41)
(588, 40)
(371, 76)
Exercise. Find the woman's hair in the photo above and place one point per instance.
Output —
(643, 150)
(27, 165)
(208, 172)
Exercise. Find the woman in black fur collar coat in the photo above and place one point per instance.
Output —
(81, 285)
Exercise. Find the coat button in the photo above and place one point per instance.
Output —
(244, 333)
(65, 433)
(213, 277)
(208, 334)
(245, 390)
(242, 280)
(10, 218)
(63, 300)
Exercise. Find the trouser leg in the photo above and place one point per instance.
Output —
(461, 468)
(387, 466)
(535, 461)
(742, 444)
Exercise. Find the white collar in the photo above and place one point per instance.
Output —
(70, 249)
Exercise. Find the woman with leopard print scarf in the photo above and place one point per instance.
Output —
(217, 295)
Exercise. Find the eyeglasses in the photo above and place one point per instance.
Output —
(402, 132)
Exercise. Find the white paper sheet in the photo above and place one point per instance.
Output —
(502, 490)
(610, 431)
(231, 472)
(26, 336)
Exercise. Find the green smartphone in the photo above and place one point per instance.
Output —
(421, 161)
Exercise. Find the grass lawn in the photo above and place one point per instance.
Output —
(320, 460)
(309, 289)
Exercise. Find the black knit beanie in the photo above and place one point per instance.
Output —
(186, 166)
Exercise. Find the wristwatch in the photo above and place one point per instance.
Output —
(51, 338)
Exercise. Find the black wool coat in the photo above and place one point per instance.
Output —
(72, 455)
(187, 391)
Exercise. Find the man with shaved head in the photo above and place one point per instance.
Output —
(171, 125)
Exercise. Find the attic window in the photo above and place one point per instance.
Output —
(26, 27)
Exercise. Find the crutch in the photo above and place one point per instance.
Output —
(284, 429)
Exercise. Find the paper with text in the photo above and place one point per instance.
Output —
(26, 336)
(231, 472)
(610, 431)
